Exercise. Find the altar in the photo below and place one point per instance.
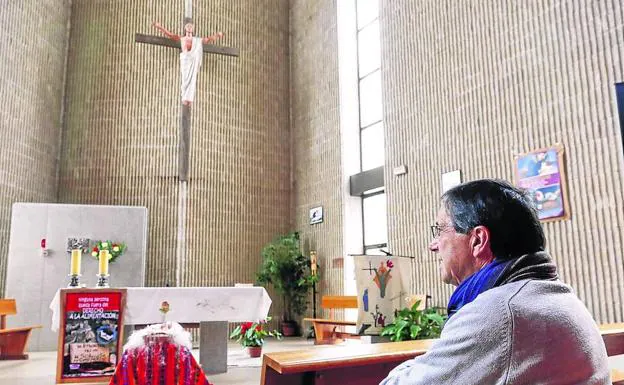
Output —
(210, 307)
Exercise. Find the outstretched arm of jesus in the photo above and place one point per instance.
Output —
(212, 38)
(166, 32)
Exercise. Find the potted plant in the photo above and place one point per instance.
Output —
(284, 267)
(251, 336)
(414, 324)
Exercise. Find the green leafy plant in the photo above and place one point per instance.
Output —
(414, 324)
(115, 249)
(284, 267)
(253, 333)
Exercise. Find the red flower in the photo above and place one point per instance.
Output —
(245, 326)
(96, 249)
(389, 264)
(258, 328)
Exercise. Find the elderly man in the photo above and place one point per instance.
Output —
(511, 321)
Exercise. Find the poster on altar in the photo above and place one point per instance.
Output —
(90, 334)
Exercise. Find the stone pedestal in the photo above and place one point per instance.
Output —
(213, 337)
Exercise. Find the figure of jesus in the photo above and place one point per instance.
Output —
(190, 57)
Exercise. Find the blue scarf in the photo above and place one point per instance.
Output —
(476, 284)
(499, 272)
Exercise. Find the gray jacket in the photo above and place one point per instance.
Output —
(525, 332)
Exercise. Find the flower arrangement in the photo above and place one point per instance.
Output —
(164, 307)
(251, 334)
(115, 249)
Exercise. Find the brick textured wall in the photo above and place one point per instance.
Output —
(121, 135)
(316, 135)
(33, 42)
(467, 85)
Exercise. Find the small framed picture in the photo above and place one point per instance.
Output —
(316, 215)
(450, 179)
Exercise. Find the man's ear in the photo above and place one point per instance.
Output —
(480, 244)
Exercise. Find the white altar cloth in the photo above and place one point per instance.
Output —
(187, 304)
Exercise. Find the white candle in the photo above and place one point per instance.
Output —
(103, 265)
(76, 258)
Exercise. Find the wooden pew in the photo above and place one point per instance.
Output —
(369, 364)
(613, 337)
(344, 365)
(12, 341)
(332, 331)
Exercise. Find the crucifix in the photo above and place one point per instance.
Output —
(370, 268)
(190, 61)
(192, 49)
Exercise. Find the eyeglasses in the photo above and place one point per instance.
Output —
(437, 229)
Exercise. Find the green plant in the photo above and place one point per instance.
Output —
(414, 324)
(253, 333)
(115, 249)
(284, 267)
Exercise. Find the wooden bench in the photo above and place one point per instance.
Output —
(333, 331)
(12, 341)
(345, 365)
(369, 364)
(613, 337)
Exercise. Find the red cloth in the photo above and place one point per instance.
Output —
(158, 364)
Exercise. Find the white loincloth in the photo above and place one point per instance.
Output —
(190, 63)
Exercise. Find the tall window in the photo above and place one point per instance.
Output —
(619, 94)
(369, 74)
(371, 122)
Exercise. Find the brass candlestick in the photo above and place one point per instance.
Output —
(102, 281)
(74, 280)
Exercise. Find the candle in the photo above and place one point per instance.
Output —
(103, 262)
(313, 262)
(76, 258)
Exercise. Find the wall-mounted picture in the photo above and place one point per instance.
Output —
(542, 173)
(450, 179)
(316, 215)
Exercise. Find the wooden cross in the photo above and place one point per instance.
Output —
(185, 120)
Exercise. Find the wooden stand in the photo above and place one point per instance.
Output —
(12, 341)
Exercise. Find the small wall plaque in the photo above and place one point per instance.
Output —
(316, 215)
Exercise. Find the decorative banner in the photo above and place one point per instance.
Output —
(380, 291)
(542, 174)
(90, 334)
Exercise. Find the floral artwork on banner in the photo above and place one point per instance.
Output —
(383, 276)
(542, 174)
(380, 290)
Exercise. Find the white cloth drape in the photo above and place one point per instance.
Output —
(188, 304)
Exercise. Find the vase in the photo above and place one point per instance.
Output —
(289, 328)
(254, 351)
